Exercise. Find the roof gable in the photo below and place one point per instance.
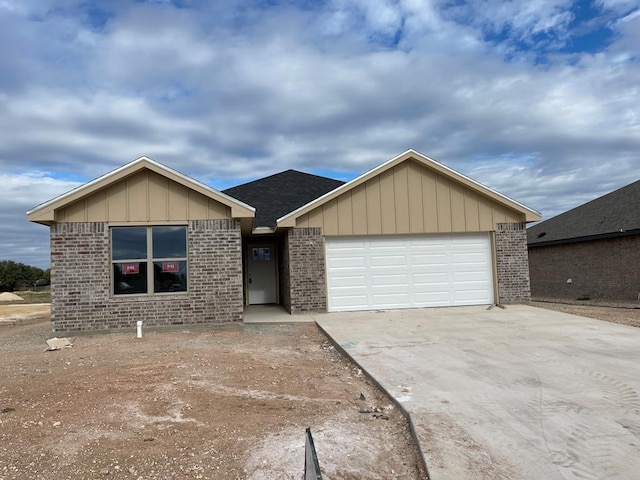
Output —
(281, 193)
(615, 213)
(46, 212)
(456, 178)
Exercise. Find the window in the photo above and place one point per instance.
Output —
(149, 259)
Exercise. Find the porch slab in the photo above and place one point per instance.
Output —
(272, 313)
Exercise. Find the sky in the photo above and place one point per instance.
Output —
(536, 99)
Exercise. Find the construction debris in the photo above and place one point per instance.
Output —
(56, 343)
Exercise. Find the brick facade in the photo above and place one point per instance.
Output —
(512, 263)
(284, 276)
(304, 261)
(599, 269)
(81, 296)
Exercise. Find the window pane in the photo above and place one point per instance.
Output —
(129, 243)
(169, 242)
(170, 276)
(129, 278)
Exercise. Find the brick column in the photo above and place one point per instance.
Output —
(79, 273)
(284, 274)
(307, 283)
(512, 263)
(215, 270)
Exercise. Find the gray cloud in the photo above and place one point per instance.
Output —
(237, 89)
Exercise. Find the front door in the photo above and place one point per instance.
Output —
(262, 273)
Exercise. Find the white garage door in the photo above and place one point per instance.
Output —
(412, 271)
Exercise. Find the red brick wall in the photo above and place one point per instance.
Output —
(81, 280)
(599, 269)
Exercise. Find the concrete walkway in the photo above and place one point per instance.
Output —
(521, 393)
(272, 313)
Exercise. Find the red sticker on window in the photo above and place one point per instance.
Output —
(171, 267)
(130, 268)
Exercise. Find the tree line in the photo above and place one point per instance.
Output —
(14, 275)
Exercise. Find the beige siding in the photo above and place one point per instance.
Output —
(137, 201)
(345, 214)
(158, 186)
(409, 198)
(458, 221)
(373, 213)
(144, 197)
(416, 201)
(96, 207)
(401, 194)
(359, 204)
(387, 202)
(429, 203)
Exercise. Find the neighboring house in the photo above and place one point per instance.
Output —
(590, 252)
(145, 242)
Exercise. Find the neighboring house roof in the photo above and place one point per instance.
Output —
(289, 220)
(279, 194)
(612, 215)
(45, 213)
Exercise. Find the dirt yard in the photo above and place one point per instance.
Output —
(626, 316)
(229, 403)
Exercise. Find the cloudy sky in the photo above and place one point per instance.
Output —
(537, 99)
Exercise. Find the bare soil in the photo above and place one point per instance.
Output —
(14, 313)
(226, 403)
(623, 315)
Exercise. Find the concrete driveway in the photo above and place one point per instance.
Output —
(521, 393)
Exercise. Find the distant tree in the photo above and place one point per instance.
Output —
(13, 275)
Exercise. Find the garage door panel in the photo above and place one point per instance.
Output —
(350, 282)
(408, 271)
(347, 262)
(434, 288)
(477, 278)
(390, 300)
(390, 280)
(388, 260)
(471, 287)
(469, 298)
(428, 259)
(466, 240)
(350, 304)
(433, 278)
(467, 255)
(434, 299)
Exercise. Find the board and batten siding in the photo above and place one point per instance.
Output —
(408, 198)
(143, 197)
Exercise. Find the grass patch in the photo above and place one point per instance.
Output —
(8, 410)
(583, 297)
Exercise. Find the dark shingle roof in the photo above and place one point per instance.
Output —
(617, 213)
(282, 193)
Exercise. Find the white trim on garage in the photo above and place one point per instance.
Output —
(408, 271)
